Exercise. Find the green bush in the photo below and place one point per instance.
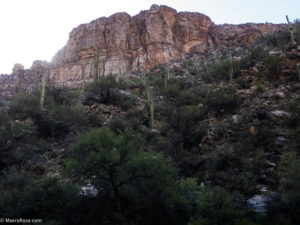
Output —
(107, 91)
(61, 96)
(293, 121)
(222, 101)
(285, 206)
(221, 71)
(254, 55)
(187, 98)
(272, 66)
(218, 72)
(24, 106)
(216, 207)
(276, 39)
(61, 119)
(47, 199)
(20, 147)
(135, 182)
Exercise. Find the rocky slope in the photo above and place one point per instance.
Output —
(121, 43)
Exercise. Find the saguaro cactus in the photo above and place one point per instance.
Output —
(150, 100)
(43, 91)
(80, 93)
(167, 77)
(291, 28)
(231, 67)
(97, 65)
(298, 70)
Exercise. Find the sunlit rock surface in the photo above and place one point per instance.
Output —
(121, 43)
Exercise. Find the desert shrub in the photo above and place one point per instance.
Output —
(103, 91)
(222, 101)
(61, 119)
(4, 121)
(187, 98)
(216, 207)
(24, 106)
(293, 120)
(272, 66)
(174, 88)
(136, 118)
(108, 91)
(243, 84)
(134, 182)
(47, 198)
(286, 204)
(186, 122)
(20, 147)
(276, 39)
(172, 91)
(254, 55)
(259, 89)
(221, 71)
(193, 65)
(61, 96)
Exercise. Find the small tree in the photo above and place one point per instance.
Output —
(117, 165)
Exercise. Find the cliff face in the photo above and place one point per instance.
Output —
(121, 43)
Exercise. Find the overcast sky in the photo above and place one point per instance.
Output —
(37, 29)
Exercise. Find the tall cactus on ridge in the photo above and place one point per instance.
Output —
(298, 70)
(167, 77)
(43, 91)
(150, 101)
(291, 28)
(231, 66)
(97, 65)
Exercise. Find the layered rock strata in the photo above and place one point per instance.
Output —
(121, 43)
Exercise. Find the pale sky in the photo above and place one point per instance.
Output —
(36, 29)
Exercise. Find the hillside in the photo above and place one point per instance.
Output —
(161, 118)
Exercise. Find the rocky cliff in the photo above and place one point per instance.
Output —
(121, 43)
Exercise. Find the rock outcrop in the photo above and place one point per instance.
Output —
(121, 43)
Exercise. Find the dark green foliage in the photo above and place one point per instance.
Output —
(186, 121)
(216, 207)
(187, 98)
(61, 119)
(293, 121)
(286, 205)
(61, 96)
(276, 39)
(222, 101)
(272, 66)
(136, 181)
(59, 116)
(24, 106)
(107, 91)
(219, 72)
(136, 118)
(255, 55)
(174, 88)
(19, 146)
(47, 199)
(282, 39)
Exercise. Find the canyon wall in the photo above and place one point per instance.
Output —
(121, 43)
